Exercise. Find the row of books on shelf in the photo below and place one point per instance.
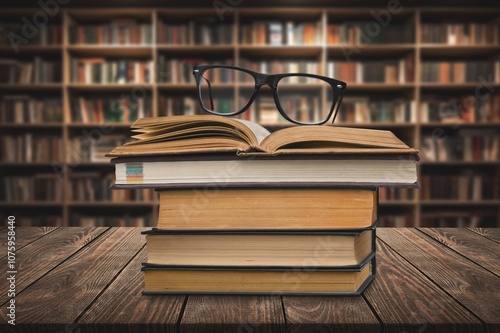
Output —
(181, 70)
(100, 70)
(82, 149)
(203, 32)
(468, 145)
(472, 33)
(465, 109)
(460, 71)
(47, 34)
(465, 186)
(118, 32)
(39, 70)
(442, 219)
(457, 219)
(280, 33)
(87, 220)
(361, 32)
(280, 66)
(93, 186)
(29, 147)
(383, 71)
(43, 187)
(24, 109)
(99, 110)
(366, 110)
(395, 194)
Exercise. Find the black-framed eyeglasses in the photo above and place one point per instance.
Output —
(304, 99)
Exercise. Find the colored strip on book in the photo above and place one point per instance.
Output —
(134, 173)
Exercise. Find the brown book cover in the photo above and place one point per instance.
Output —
(262, 208)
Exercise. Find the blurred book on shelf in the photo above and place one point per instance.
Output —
(30, 147)
(94, 186)
(395, 221)
(467, 185)
(280, 33)
(280, 66)
(47, 34)
(93, 220)
(117, 32)
(471, 33)
(373, 71)
(195, 32)
(38, 71)
(470, 145)
(173, 70)
(25, 109)
(101, 70)
(460, 71)
(184, 105)
(391, 194)
(82, 149)
(42, 187)
(41, 219)
(466, 109)
(108, 109)
(363, 110)
(355, 32)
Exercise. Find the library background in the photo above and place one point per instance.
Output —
(72, 83)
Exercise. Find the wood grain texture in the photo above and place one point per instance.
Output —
(328, 314)
(123, 308)
(238, 313)
(405, 300)
(470, 284)
(37, 258)
(475, 247)
(55, 301)
(24, 236)
(490, 233)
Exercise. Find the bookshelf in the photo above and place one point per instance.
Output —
(403, 79)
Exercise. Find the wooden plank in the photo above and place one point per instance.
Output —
(405, 300)
(24, 236)
(233, 313)
(483, 252)
(490, 233)
(56, 300)
(470, 284)
(37, 258)
(329, 314)
(123, 308)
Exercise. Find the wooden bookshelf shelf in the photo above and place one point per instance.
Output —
(45, 50)
(460, 203)
(370, 50)
(110, 204)
(407, 55)
(108, 87)
(122, 51)
(33, 204)
(42, 87)
(461, 51)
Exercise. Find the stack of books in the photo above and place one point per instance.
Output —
(246, 211)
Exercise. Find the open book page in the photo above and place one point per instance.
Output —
(332, 139)
(260, 132)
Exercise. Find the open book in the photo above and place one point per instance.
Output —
(208, 133)
(187, 151)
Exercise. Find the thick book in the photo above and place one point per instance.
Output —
(350, 248)
(205, 149)
(162, 279)
(267, 208)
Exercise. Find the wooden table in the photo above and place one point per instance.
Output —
(89, 280)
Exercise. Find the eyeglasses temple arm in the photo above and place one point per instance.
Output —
(338, 106)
